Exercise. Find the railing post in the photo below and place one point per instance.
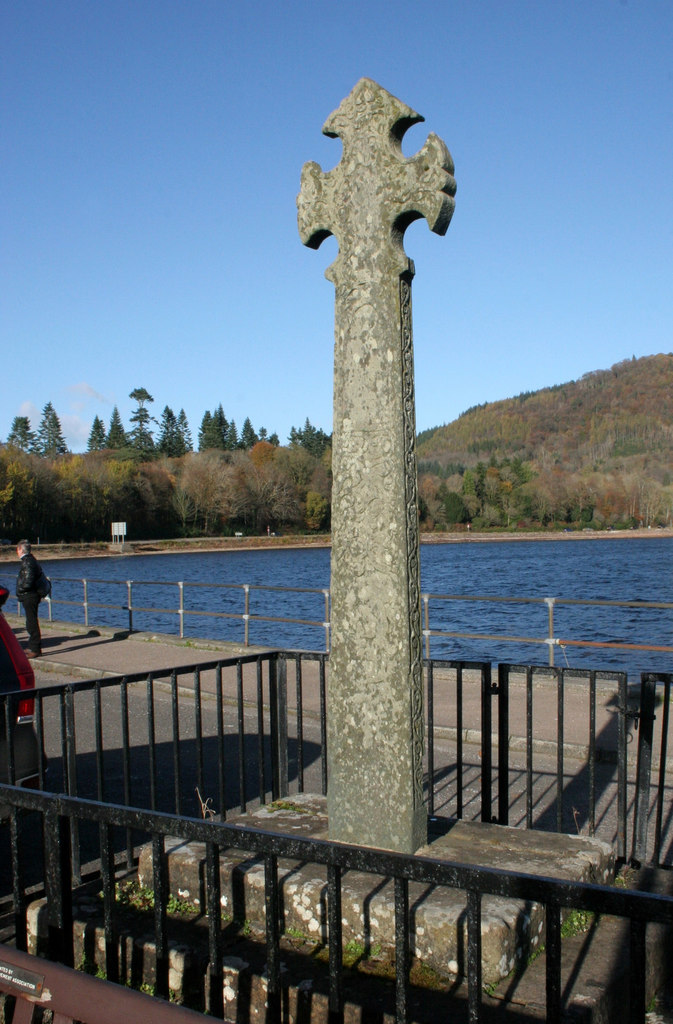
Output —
(326, 622)
(181, 609)
(426, 623)
(58, 889)
(550, 601)
(129, 588)
(648, 691)
(246, 614)
(85, 585)
(278, 726)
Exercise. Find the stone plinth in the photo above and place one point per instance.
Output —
(511, 929)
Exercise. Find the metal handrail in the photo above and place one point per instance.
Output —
(246, 615)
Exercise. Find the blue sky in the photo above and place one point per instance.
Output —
(149, 165)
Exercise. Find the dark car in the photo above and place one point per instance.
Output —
(16, 673)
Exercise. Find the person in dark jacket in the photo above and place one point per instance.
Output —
(27, 582)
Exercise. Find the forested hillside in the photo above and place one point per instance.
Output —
(596, 451)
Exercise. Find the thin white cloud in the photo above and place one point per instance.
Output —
(82, 390)
(30, 410)
(76, 431)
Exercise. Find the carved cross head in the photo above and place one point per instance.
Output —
(368, 200)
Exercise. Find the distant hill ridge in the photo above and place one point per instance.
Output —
(603, 419)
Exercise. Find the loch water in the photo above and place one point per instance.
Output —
(632, 569)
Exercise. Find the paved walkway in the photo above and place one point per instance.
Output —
(76, 652)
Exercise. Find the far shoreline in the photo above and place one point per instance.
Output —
(179, 546)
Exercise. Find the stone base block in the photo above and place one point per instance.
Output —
(511, 929)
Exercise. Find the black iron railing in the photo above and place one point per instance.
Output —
(503, 743)
(58, 813)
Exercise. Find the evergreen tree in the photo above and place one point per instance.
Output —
(248, 435)
(232, 441)
(185, 433)
(97, 437)
(274, 440)
(220, 427)
(141, 438)
(50, 441)
(21, 436)
(213, 430)
(169, 442)
(205, 431)
(312, 439)
(116, 436)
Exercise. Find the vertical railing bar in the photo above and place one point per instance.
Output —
(300, 723)
(553, 963)
(334, 934)
(643, 767)
(426, 620)
(323, 725)
(529, 746)
(637, 971)
(39, 730)
(261, 760)
(622, 767)
(18, 886)
(129, 590)
(662, 770)
(503, 745)
(215, 944)
(151, 741)
(86, 601)
(18, 889)
(160, 881)
(549, 601)
(71, 754)
(175, 720)
(126, 760)
(278, 712)
(198, 726)
(486, 741)
(559, 747)
(108, 879)
(474, 969)
(592, 752)
(58, 888)
(181, 608)
(241, 736)
(221, 771)
(402, 959)
(98, 729)
(431, 737)
(272, 903)
(246, 615)
(459, 741)
(326, 620)
(64, 741)
(10, 704)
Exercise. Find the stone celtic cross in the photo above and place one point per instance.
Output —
(375, 698)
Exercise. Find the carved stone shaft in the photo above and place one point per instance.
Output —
(375, 704)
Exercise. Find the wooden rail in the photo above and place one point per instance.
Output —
(74, 996)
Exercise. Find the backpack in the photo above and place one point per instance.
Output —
(43, 585)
